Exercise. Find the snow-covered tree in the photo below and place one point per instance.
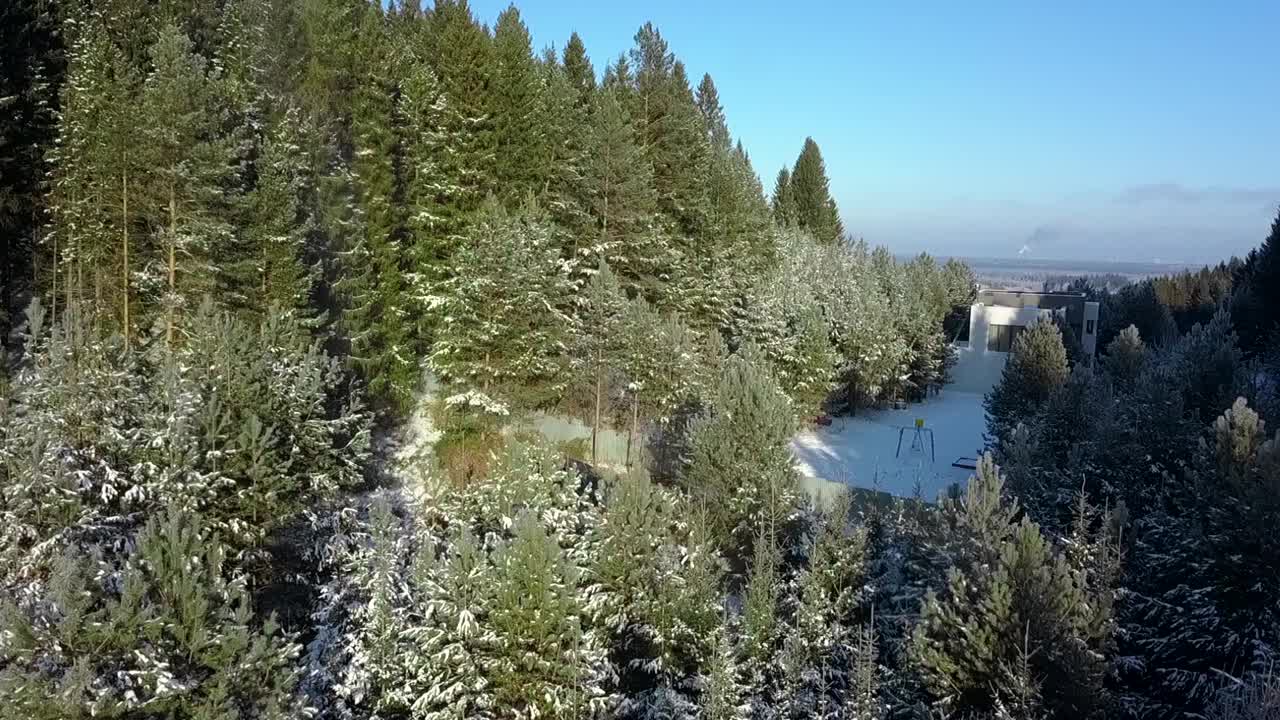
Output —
(170, 631)
(740, 462)
(505, 328)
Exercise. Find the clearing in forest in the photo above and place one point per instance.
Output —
(862, 450)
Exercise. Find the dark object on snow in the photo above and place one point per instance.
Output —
(823, 420)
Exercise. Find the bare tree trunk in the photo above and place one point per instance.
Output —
(124, 234)
(53, 292)
(635, 422)
(595, 427)
(173, 242)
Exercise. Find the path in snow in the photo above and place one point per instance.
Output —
(859, 450)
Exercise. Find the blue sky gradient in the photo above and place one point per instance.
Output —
(1127, 131)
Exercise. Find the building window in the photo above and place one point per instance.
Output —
(1088, 327)
(1000, 338)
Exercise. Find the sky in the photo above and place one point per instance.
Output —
(1135, 130)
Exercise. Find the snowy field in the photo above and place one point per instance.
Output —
(860, 450)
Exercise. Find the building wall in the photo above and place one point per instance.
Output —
(1089, 339)
(978, 369)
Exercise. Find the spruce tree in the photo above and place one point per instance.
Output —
(669, 128)
(521, 159)
(462, 54)
(810, 196)
(577, 66)
(376, 315)
(781, 202)
(33, 69)
(713, 120)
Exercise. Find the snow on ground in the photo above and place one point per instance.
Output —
(860, 450)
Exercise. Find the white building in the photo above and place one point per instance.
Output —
(998, 316)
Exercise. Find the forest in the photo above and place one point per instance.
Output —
(253, 247)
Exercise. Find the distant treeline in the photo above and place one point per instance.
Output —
(1168, 305)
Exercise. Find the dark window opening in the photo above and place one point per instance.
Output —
(1000, 338)
(1088, 327)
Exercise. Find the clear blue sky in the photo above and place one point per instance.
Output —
(1115, 130)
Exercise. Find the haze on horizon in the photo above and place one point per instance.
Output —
(1132, 132)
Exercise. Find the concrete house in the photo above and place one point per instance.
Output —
(996, 318)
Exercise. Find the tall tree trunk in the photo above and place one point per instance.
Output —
(53, 292)
(124, 234)
(173, 242)
(635, 422)
(595, 427)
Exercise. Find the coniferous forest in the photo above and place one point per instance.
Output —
(285, 279)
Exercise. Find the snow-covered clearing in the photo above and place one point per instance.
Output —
(860, 450)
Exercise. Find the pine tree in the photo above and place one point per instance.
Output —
(1036, 367)
(662, 595)
(722, 691)
(278, 276)
(1126, 355)
(601, 342)
(505, 327)
(93, 161)
(1007, 596)
(810, 195)
(740, 461)
(618, 187)
(172, 631)
(188, 162)
(543, 660)
(808, 368)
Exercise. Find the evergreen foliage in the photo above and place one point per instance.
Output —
(740, 464)
(1037, 366)
(170, 631)
(809, 196)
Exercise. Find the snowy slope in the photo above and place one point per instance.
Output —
(859, 450)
